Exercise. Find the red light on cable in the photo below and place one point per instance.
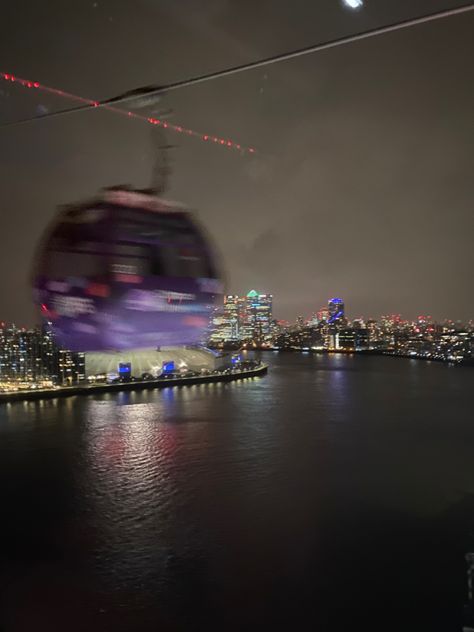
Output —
(177, 128)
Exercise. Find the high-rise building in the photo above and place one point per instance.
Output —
(32, 355)
(335, 309)
(232, 309)
(19, 353)
(257, 318)
(216, 327)
(49, 354)
(71, 367)
(226, 322)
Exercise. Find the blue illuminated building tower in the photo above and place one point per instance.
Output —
(336, 310)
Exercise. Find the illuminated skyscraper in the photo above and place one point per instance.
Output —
(335, 309)
(231, 318)
(245, 319)
(217, 326)
(227, 321)
(257, 318)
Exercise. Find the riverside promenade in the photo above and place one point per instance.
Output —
(138, 385)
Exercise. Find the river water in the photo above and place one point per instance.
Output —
(335, 493)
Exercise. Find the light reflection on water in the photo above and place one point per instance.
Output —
(130, 460)
(273, 489)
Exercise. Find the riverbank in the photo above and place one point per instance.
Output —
(68, 391)
(376, 352)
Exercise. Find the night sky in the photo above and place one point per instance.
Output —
(362, 186)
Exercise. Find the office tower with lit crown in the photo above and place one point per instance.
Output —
(336, 310)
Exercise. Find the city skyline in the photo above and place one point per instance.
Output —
(32, 356)
(248, 322)
(410, 315)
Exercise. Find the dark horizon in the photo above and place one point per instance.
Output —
(362, 183)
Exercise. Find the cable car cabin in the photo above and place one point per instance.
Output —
(126, 271)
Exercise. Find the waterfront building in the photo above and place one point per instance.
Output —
(217, 327)
(227, 321)
(257, 318)
(49, 354)
(71, 367)
(244, 319)
(353, 339)
(32, 356)
(328, 333)
(103, 366)
(232, 318)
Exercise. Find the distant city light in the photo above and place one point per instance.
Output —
(354, 4)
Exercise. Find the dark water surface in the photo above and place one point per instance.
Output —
(335, 493)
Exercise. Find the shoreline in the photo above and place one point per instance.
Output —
(70, 391)
(467, 362)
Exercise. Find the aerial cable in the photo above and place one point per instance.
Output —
(155, 90)
(157, 120)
